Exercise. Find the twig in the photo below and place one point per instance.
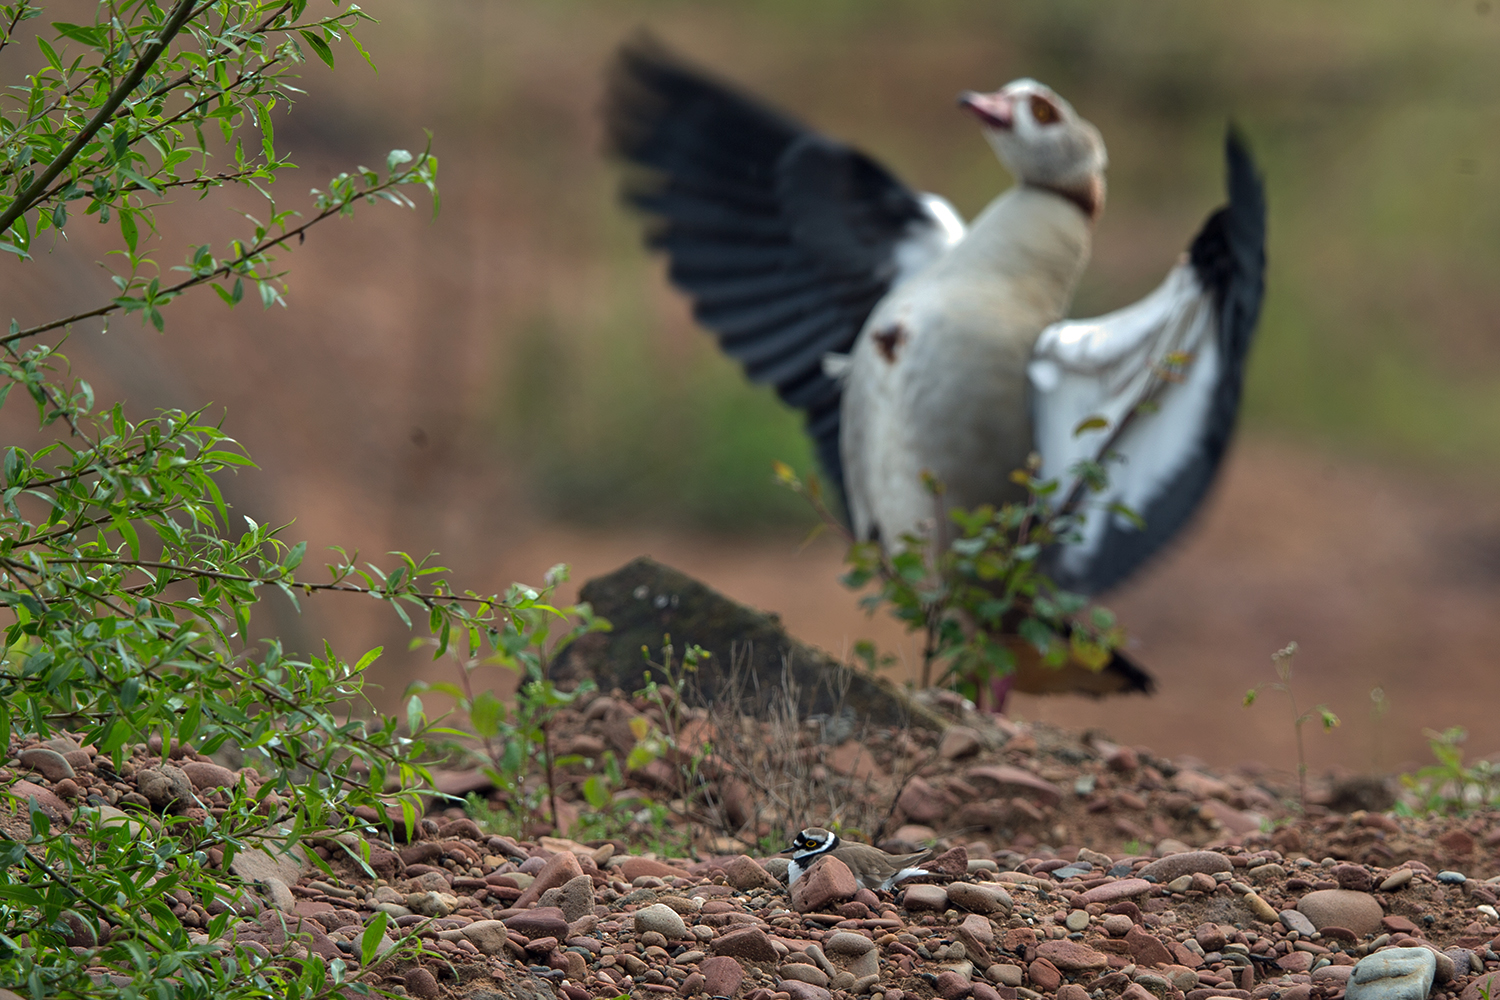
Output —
(153, 51)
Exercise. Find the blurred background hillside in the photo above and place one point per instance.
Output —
(513, 384)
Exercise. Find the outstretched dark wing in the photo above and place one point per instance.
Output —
(1181, 352)
(783, 238)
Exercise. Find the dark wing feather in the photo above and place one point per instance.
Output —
(1222, 285)
(783, 238)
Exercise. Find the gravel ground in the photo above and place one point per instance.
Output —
(1076, 869)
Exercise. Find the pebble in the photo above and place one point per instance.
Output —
(1077, 920)
(749, 943)
(804, 973)
(49, 763)
(1005, 975)
(1113, 892)
(1264, 912)
(556, 871)
(1482, 987)
(1293, 920)
(1397, 879)
(827, 883)
(208, 775)
(421, 984)
(1358, 911)
(1452, 878)
(1393, 974)
(722, 976)
(926, 897)
(744, 874)
(487, 935)
(661, 918)
(803, 991)
(959, 741)
(952, 986)
(976, 897)
(1072, 956)
(1175, 865)
(1044, 975)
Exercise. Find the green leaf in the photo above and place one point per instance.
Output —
(1122, 510)
(369, 941)
(80, 33)
(128, 229)
(127, 531)
(1087, 424)
(486, 714)
(320, 48)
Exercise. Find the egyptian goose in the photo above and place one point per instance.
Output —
(915, 344)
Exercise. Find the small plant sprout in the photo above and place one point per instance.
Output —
(1449, 786)
(978, 585)
(514, 740)
(1282, 661)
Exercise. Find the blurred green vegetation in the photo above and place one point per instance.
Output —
(1377, 125)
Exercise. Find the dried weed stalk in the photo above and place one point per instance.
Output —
(778, 771)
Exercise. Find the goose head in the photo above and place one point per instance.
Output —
(1042, 141)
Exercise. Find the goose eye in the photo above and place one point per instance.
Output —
(1042, 110)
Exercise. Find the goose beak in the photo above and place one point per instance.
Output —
(997, 110)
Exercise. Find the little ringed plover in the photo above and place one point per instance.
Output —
(872, 867)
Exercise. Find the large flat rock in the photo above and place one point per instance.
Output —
(646, 601)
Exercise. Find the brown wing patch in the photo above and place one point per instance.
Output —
(888, 341)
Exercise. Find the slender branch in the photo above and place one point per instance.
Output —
(192, 572)
(224, 269)
(154, 49)
(10, 29)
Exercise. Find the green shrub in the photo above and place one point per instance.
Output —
(129, 583)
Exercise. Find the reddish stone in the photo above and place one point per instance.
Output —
(541, 921)
(1295, 961)
(924, 803)
(802, 991)
(1146, 948)
(555, 873)
(1018, 938)
(1356, 877)
(1482, 987)
(1007, 780)
(1111, 892)
(1176, 865)
(854, 760)
(1044, 975)
(748, 943)
(978, 937)
(951, 986)
(47, 802)
(1457, 841)
(1185, 956)
(205, 774)
(1073, 956)
(633, 868)
(953, 863)
(743, 873)
(1395, 923)
(827, 883)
